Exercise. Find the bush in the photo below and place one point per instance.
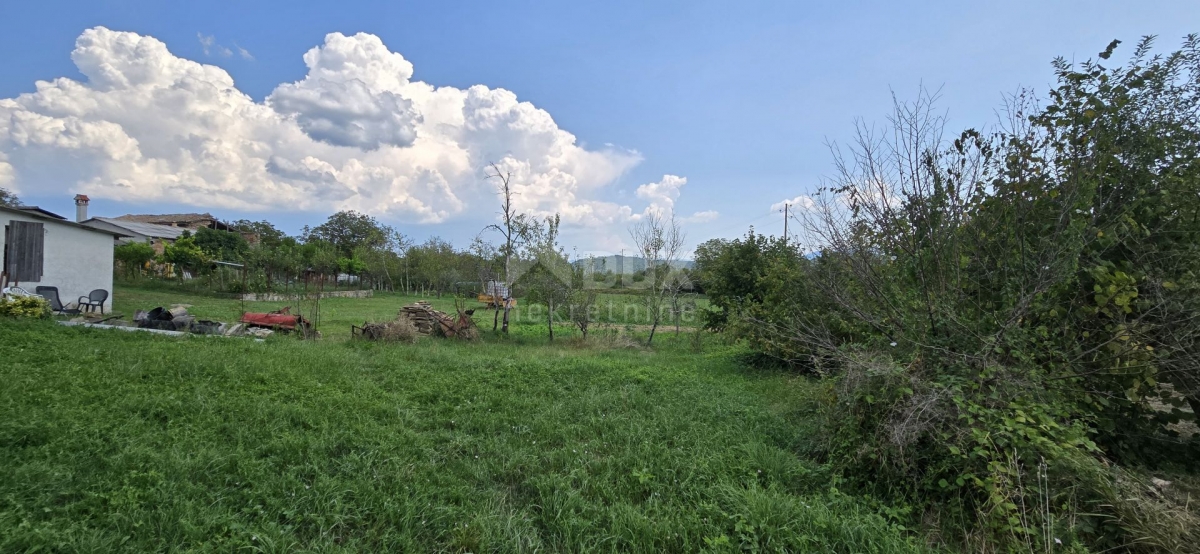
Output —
(25, 307)
(133, 256)
(998, 316)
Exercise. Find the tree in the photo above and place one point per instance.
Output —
(735, 274)
(510, 230)
(133, 256)
(659, 239)
(185, 255)
(279, 262)
(347, 230)
(264, 232)
(435, 264)
(583, 294)
(221, 245)
(9, 198)
(484, 257)
(548, 275)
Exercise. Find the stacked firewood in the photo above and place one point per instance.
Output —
(427, 320)
(419, 319)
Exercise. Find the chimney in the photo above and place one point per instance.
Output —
(81, 204)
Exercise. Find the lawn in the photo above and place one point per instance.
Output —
(116, 441)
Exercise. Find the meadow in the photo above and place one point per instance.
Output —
(117, 441)
(614, 312)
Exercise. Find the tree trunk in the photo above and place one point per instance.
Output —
(654, 322)
(550, 319)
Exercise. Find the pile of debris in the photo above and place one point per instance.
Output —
(252, 324)
(176, 319)
(423, 320)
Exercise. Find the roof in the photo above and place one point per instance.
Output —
(36, 209)
(144, 229)
(39, 215)
(171, 218)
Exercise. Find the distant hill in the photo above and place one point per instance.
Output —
(624, 265)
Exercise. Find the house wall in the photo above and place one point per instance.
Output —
(75, 260)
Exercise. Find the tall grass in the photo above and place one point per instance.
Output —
(115, 441)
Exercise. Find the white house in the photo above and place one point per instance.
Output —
(41, 249)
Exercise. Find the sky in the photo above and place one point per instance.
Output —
(602, 112)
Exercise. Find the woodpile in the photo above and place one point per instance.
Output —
(425, 320)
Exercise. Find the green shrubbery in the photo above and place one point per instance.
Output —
(24, 306)
(1007, 322)
(133, 257)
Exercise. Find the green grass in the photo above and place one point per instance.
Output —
(117, 441)
(338, 314)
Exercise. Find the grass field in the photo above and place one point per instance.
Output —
(115, 441)
(613, 311)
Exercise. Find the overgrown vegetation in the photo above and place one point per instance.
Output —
(114, 441)
(1006, 322)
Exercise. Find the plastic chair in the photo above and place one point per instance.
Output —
(51, 294)
(93, 300)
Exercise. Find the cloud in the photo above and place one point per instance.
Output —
(245, 54)
(356, 132)
(702, 217)
(662, 196)
(802, 202)
(7, 175)
(209, 44)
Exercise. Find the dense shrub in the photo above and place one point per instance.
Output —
(997, 314)
(24, 306)
(133, 257)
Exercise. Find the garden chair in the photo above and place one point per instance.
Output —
(93, 300)
(51, 295)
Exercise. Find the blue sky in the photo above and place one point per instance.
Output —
(738, 98)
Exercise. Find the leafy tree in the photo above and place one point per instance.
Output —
(267, 234)
(133, 256)
(347, 230)
(436, 265)
(185, 255)
(221, 245)
(9, 198)
(583, 294)
(547, 274)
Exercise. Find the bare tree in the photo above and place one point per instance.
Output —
(659, 240)
(511, 233)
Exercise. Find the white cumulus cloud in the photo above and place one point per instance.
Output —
(663, 194)
(802, 202)
(356, 132)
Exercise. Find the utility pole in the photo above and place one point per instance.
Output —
(785, 222)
